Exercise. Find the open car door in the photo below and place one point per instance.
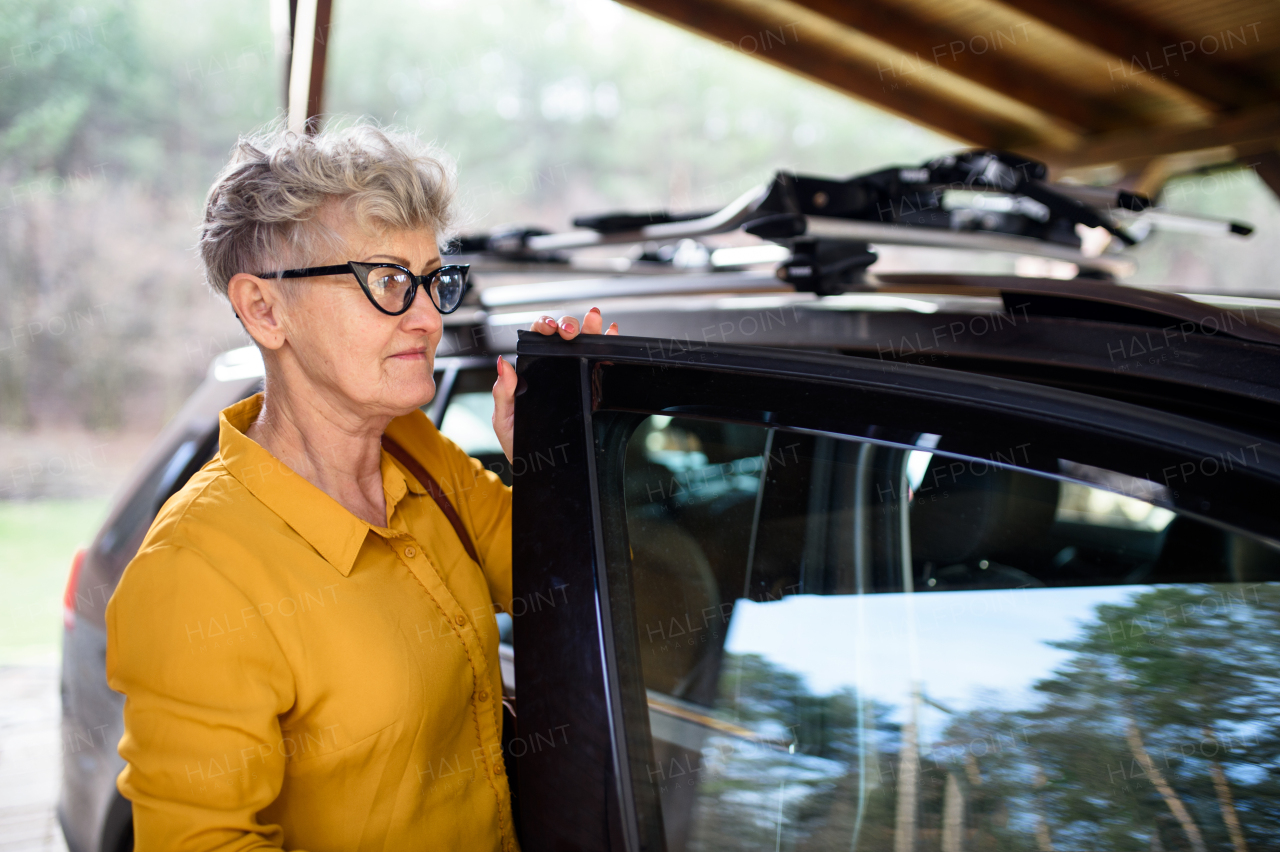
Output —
(771, 599)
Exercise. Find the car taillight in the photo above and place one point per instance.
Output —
(69, 596)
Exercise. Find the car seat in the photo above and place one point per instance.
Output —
(975, 526)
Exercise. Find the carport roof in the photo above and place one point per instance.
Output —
(1140, 88)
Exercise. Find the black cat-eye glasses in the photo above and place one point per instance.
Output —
(391, 287)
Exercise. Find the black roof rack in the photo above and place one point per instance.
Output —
(978, 200)
(621, 223)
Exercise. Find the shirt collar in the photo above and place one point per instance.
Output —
(335, 533)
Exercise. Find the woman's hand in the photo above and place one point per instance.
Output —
(504, 389)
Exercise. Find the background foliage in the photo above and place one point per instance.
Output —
(115, 115)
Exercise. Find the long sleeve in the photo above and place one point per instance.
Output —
(205, 683)
(296, 678)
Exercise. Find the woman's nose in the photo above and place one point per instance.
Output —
(422, 312)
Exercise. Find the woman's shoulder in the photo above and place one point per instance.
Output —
(212, 539)
(213, 509)
(206, 491)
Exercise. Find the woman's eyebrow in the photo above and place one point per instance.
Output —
(400, 261)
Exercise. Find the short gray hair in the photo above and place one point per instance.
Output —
(261, 209)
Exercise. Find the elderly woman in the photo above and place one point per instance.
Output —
(306, 639)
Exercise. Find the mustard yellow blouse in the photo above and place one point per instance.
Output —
(296, 678)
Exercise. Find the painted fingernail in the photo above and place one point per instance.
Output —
(569, 326)
(594, 311)
(549, 321)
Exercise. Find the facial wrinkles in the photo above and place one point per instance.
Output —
(322, 349)
(344, 346)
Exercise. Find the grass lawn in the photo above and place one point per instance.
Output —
(37, 541)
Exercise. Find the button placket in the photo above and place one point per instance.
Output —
(489, 720)
(488, 714)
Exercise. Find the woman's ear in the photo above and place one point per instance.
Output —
(258, 302)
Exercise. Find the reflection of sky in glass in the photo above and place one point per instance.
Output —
(963, 644)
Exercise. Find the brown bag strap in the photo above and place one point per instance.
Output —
(428, 482)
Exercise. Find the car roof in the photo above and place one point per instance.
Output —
(1211, 356)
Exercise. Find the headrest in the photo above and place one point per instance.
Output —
(969, 509)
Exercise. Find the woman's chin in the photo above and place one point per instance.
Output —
(407, 402)
(402, 395)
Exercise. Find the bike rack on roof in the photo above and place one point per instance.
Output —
(976, 200)
(828, 227)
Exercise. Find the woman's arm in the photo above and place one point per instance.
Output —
(204, 684)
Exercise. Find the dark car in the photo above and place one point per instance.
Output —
(816, 558)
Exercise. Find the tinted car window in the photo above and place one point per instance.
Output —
(848, 645)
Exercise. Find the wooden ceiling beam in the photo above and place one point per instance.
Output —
(848, 74)
(933, 48)
(1143, 49)
(1245, 133)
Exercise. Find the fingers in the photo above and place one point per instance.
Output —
(592, 323)
(569, 328)
(545, 325)
(504, 406)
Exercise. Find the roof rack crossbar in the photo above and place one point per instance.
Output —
(729, 218)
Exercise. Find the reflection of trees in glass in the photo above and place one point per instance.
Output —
(1160, 732)
(1176, 692)
(744, 783)
(831, 788)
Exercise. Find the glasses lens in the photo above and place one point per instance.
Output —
(447, 288)
(389, 286)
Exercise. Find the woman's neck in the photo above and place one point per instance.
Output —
(335, 450)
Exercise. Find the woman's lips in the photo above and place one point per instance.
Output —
(419, 354)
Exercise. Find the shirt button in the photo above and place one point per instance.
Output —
(483, 696)
(410, 552)
(460, 619)
(498, 768)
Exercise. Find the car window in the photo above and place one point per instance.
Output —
(853, 645)
(468, 420)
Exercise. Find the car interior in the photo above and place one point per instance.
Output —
(466, 420)
(723, 514)
(827, 518)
